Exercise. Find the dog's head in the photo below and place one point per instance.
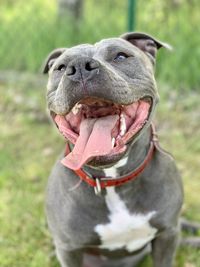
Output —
(103, 96)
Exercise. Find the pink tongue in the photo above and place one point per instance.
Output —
(95, 139)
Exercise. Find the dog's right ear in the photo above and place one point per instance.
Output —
(51, 59)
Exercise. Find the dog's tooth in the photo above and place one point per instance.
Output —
(113, 142)
(76, 108)
(122, 125)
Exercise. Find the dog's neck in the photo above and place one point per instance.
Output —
(131, 160)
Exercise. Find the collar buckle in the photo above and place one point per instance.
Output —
(97, 187)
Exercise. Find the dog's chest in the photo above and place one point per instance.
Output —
(124, 230)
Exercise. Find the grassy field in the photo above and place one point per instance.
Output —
(30, 143)
(29, 146)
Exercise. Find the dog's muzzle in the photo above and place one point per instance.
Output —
(100, 128)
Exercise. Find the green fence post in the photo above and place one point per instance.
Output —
(131, 15)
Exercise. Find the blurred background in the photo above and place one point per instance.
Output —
(29, 143)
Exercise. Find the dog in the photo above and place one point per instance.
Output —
(114, 194)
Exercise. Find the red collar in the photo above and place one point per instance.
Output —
(102, 182)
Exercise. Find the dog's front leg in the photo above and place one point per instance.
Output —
(69, 258)
(164, 248)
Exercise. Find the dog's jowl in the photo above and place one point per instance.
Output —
(114, 195)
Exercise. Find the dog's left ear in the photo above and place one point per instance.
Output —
(148, 44)
(51, 59)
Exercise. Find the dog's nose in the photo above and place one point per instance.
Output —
(82, 69)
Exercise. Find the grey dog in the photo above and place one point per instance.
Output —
(114, 194)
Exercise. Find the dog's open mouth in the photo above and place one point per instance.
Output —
(100, 128)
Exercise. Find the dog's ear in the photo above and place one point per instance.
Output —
(51, 59)
(148, 44)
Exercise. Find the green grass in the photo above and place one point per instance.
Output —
(26, 156)
(31, 29)
(30, 145)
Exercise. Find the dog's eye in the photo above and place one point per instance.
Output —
(120, 56)
(61, 67)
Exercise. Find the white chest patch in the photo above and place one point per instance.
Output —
(113, 171)
(125, 230)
